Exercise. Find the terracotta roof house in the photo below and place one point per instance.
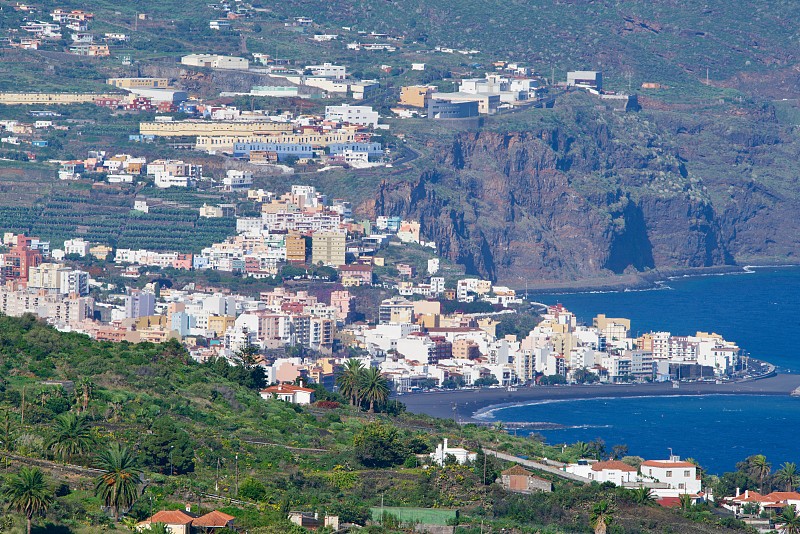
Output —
(176, 521)
(289, 393)
(212, 521)
(520, 480)
(180, 522)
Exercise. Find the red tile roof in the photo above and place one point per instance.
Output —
(780, 496)
(750, 496)
(172, 517)
(213, 519)
(613, 464)
(669, 502)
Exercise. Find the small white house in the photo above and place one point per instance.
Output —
(289, 393)
(461, 455)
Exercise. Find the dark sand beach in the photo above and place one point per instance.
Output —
(463, 405)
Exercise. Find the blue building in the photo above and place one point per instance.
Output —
(284, 150)
(373, 150)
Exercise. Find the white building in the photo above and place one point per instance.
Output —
(76, 246)
(681, 477)
(74, 282)
(328, 70)
(361, 115)
(216, 61)
(462, 456)
(613, 471)
(237, 180)
(165, 179)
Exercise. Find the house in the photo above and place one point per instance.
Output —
(776, 501)
(185, 522)
(681, 477)
(520, 480)
(613, 471)
(176, 521)
(212, 521)
(461, 455)
(289, 393)
(357, 275)
(585, 78)
(313, 521)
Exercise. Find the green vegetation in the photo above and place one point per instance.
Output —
(166, 431)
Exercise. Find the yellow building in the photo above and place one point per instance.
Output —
(224, 141)
(416, 96)
(194, 128)
(296, 247)
(100, 252)
(151, 321)
(328, 248)
(220, 323)
(23, 99)
(138, 83)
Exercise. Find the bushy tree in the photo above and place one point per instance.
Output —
(252, 490)
(165, 438)
(379, 445)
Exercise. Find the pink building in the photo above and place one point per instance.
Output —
(361, 272)
(183, 261)
(343, 302)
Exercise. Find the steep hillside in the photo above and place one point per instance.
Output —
(752, 45)
(583, 192)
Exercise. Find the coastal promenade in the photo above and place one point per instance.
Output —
(462, 405)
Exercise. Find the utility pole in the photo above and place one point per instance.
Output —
(170, 459)
(237, 474)
(216, 482)
(23, 405)
(484, 468)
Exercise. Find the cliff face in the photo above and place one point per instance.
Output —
(603, 198)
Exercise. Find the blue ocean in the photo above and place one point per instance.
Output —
(760, 310)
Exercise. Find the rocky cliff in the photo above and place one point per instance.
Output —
(593, 194)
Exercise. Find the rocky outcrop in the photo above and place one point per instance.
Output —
(561, 204)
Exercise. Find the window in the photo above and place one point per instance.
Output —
(686, 473)
(681, 486)
(669, 473)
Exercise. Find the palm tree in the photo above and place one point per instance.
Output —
(118, 486)
(28, 494)
(71, 436)
(789, 521)
(349, 380)
(761, 467)
(373, 387)
(582, 449)
(601, 517)
(643, 495)
(789, 475)
(87, 392)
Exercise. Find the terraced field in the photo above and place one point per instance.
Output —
(35, 203)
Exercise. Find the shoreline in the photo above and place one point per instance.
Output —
(464, 405)
(639, 281)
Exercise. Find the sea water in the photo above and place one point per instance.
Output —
(759, 310)
(716, 430)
